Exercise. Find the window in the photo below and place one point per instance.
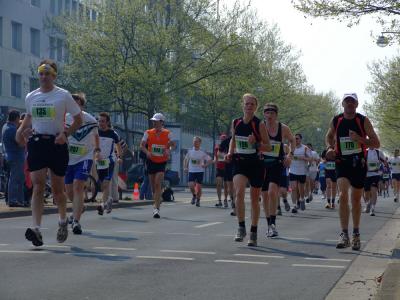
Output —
(53, 6)
(59, 49)
(74, 7)
(1, 82)
(33, 84)
(93, 15)
(1, 31)
(35, 3)
(67, 7)
(59, 7)
(52, 48)
(16, 36)
(15, 85)
(35, 42)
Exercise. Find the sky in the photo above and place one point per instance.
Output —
(334, 56)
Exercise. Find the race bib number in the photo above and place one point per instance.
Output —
(157, 150)
(385, 176)
(195, 162)
(348, 147)
(43, 112)
(373, 166)
(77, 149)
(103, 164)
(221, 156)
(275, 151)
(322, 173)
(243, 146)
(330, 165)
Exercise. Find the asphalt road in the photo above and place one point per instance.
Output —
(187, 254)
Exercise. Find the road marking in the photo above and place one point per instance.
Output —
(3, 244)
(226, 235)
(137, 232)
(337, 240)
(208, 224)
(166, 257)
(24, 252)
(56, 246)
(241, 262)
(318, 266)
(295, 238)
(187, 251)
(91, 230)
(90, 254)
(182, 233)
(259, 255)
(115, 248)
(328, 259)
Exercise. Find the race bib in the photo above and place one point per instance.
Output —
(373, 166)
(348, 147)
(157, 150)
(322, 173)
(275, 151)
(43, 112)
(243, 146)
(221, 156)
(330, 165)
(77, 149)
(195, 162)
(103, 164)
(386, 176)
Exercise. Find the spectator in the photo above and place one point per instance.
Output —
(15, 157)
(145, 188)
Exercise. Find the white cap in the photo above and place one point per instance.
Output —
(158, 117)
(350, 95)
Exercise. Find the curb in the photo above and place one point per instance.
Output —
(54, 210)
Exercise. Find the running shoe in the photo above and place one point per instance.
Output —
(34, 236)
(109, 205)
(233, 213)
(302, 205)
(240, 235)
(252, 240)
(76, 228)
(343, 242)
(294, 210)
(356, 242)
(193, 200)
(323, 198)
(233, 205)
(218, 204)
(307, 200)
(367, 208)
(287, 206)
(156, 213)
(274, 232)
(225, 203)
(298, 205)
(333, 206)
(269, 232)
(70, 219)
(62, 232)
(311, 198)
(279, 211)
(395, 199)
(372, 213)
(198, 202)
(100, 209)
(328, 206)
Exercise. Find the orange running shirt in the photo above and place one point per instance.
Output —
(157, 142)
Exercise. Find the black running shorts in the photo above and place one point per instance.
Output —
(273, 173)
(371, 181)
(354, 170)
(253, 169)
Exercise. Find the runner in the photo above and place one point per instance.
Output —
(249, 135)
(395, 165)
(321, 176)
(331, 186)
(47, 146)
(311, 174)
(350, 129)
(228, 174)
(386, 178)
(109, 140)
(219, 158)
(284, 186)
(298, 173)
(195, 162)
(159, 142)
(82, 145)
(275, 161)
(374, 159)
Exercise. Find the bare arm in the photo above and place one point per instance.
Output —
(232, 143)
(372, 141)
(265, 143)
(289, 137)
(76, 123)
(24, 130)
(330, 137)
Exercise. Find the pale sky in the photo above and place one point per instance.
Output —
(334, 57)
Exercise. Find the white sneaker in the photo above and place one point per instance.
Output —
(269, 231)
(274, 231)
(156, 213)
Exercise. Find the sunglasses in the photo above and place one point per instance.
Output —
(270, 110)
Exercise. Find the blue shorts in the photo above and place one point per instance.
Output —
(196, 177)
(106, 174)
(79, 171)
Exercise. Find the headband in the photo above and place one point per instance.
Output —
(47, 68)
(270, 109)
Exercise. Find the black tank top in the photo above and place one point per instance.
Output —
(277, 153)
(243, 149)
(345, 148)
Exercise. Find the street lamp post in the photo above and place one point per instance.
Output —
(383, 40)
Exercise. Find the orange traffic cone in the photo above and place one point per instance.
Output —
(136, 191)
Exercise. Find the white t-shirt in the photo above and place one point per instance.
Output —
(374, 158)
(395, 164)
(197, 158)
(299, 167)
(314, 164)
(81, 143)
(48, 110)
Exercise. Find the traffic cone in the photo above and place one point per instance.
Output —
(136, 191)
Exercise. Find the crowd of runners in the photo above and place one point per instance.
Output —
(263, 154)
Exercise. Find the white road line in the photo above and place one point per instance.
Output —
(137, 232)
(318, 266)
(56, 246)
(182, 233)
(3, 244)
(208, 224)
(90, 254)
(328, 259)
(226, 235)
(115, 248)
(295, 238)
(166, 257)
(259, 255)
(241, 262)
(91, 230)
(187, 251)
(362, 241)
(24, 252)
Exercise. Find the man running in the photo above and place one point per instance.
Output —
(109, 139)
(321, 177)
(249, 136)
(298, 173)
(228, 174)
(331, 186)
(157, 143)
(47, 145)
(351, 133)
(275, 162)
(196, 160)
(374, 159)
(395, 165)
(312, 173)
(219, 158)
(82, 145)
